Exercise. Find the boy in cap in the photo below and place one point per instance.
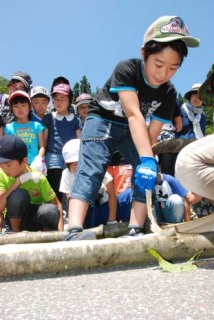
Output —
(137, 89)
(25, 194)
(39, 100)
(81, 106)
(19, 81)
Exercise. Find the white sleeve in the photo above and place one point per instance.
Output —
(66, 181)
(107, 178)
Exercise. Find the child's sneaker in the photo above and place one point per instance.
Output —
(134, 232)
(80, 234)
(111, 222)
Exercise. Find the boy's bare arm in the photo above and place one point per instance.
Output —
(5, 194)
(61, 219)
(154, 130)
(41, 139)
(187, 212)
(137, 124)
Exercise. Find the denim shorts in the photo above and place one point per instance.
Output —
(54, 161)
(99, 139)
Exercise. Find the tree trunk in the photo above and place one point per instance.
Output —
(19, 259)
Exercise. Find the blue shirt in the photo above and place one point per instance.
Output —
(61, 129)
(28, 132)
(169, 186)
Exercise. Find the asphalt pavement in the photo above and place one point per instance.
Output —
(122, 292)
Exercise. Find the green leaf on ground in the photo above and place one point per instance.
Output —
(178, 267)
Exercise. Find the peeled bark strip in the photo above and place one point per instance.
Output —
(75, 255)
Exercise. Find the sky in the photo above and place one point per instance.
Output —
(73, 38)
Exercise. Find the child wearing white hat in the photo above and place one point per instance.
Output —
(193, 115)
(102, 213)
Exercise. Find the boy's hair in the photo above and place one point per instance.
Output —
(153, 47)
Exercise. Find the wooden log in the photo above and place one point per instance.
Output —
(171, 145)
(16, 259)
(102, 231)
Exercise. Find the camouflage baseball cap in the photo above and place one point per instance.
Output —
(170, 28)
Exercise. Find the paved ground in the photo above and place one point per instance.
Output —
(134, 292)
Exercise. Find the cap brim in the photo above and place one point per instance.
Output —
(73, 159)
(4, 160)
(40, 94)
(82, 102)
(190, 41)
(18, 94)
(188, 94)
(61, 92)
(19, 78)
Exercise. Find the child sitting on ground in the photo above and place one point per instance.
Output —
(25, 193)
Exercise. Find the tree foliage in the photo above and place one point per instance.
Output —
(3, 85)
(83, 86)
(210, 120)
(76, 91)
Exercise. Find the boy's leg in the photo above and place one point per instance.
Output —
(137, 218)
(174, 209)
(95, 154)
(138, 212)
(18, 204)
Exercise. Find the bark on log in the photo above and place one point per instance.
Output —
(102, 231)
(64, 256)
(171, 145)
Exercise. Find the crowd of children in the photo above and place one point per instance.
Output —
(95, 154)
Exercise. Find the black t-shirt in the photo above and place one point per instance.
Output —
(128, 74)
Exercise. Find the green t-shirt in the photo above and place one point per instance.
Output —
(40, 192)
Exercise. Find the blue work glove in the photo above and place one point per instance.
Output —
(146, 174)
